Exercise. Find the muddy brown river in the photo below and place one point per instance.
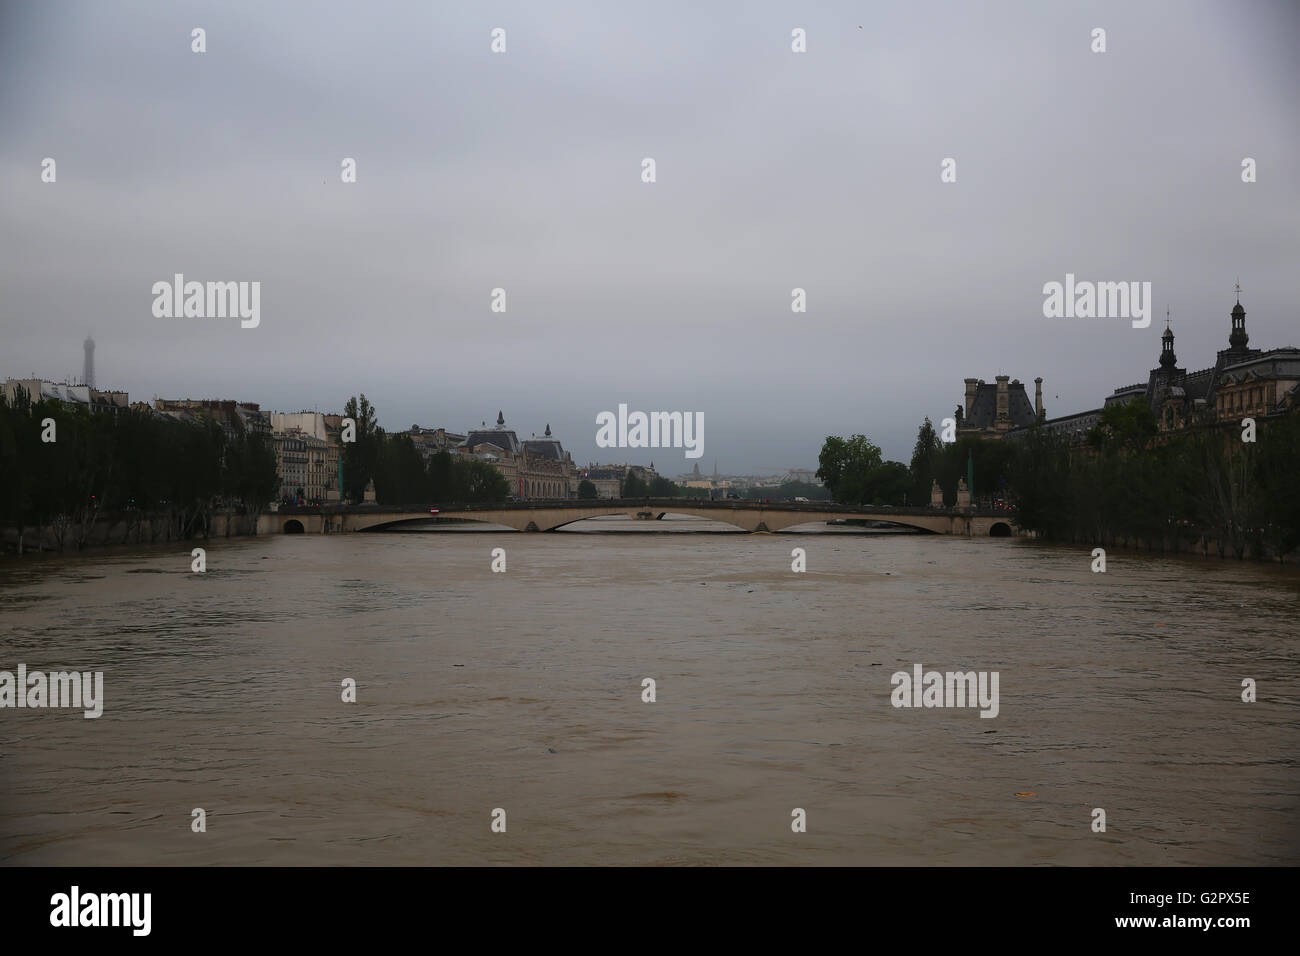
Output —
(522, 691)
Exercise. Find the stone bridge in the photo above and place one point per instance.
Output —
(548, 515)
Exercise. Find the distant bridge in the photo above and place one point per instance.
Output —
(549, 515)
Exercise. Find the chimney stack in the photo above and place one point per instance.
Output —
(1038, 397)
(1003, 396)
(971, 385)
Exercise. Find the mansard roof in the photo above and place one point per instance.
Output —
(984, 409)
(545, 448)
(503, 438)
(1200, 384)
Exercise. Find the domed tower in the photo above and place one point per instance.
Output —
(1238, 339)
(1168, 360)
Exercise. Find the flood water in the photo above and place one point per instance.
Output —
(523, 691)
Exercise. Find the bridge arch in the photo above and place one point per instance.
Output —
(999, 529)
(595, 513)
(293, 526)
(657, 513)
(396, 522)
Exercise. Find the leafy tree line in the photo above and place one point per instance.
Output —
(1126, 483)
(634, 486)
(1163, 490)
(401, 476)
(854, 471)
(988, 460)
(130, 465)
(790, 489)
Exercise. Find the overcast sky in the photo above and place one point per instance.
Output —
(522, 170)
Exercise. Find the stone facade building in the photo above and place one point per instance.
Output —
(305, 461)
(39, 389)
(535, 469)
(430, 441)
(991, 411)
(291, 464)
(1242, 382)
(609, 479)
(321, 444)
(232, 416)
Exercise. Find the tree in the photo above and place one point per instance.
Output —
(661, 487)
(1277, 464)
(440, 477)
(887, 484)
(832, 462)
(1041, 482)
(844, 467)
(256, 482)
(925, 463)
(400, 474)
(478, 481)
(586, 490)
(360, 458)
(990, 457)
(634, 486)
(15, 480)
(1129, 426)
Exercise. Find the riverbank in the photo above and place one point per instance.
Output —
(1203, 546)
(125, 530)
(125, 534)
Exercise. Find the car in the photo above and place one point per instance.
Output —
(803, 500)
(433, 511)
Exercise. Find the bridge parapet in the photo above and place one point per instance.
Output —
(544, 515)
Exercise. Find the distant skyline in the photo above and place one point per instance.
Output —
(522, 170)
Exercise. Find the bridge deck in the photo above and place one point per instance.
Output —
(547, 515)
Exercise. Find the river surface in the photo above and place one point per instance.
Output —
(522, 691)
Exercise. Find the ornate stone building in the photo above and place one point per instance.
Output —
(609, 479)
(991, 411)
(536, 468)
(1242, 382)
(430, 441)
